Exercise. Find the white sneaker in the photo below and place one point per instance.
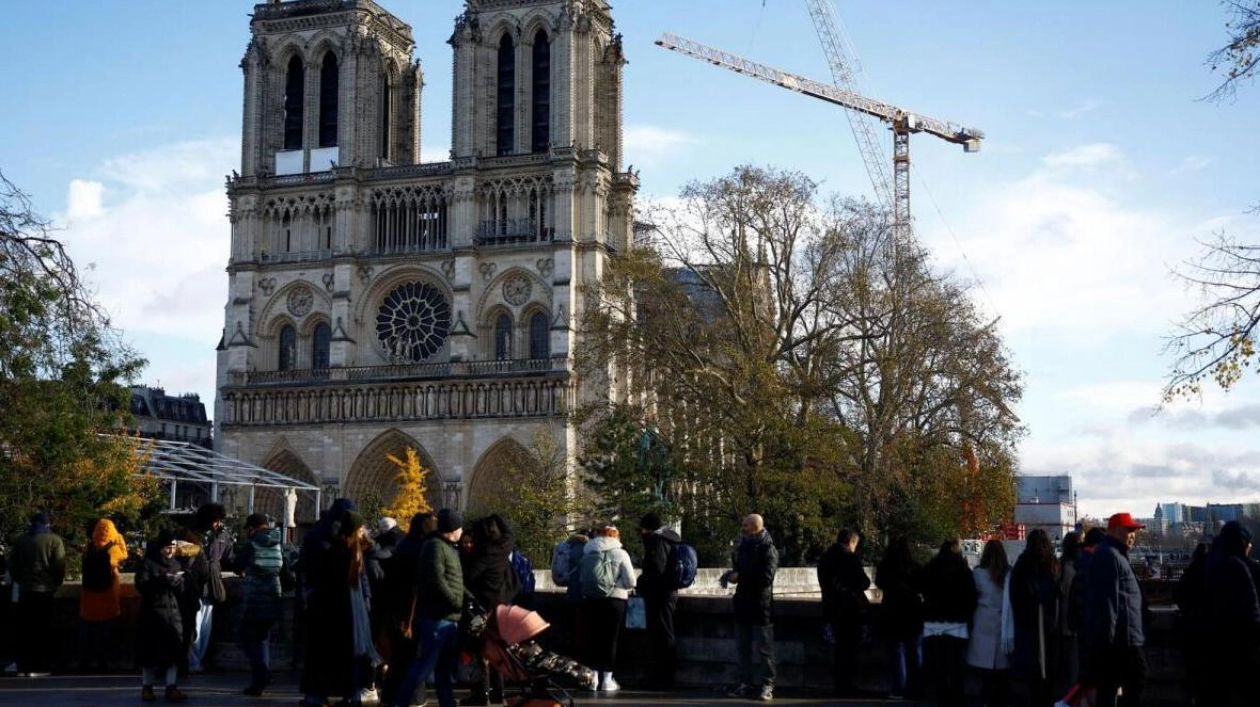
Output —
(368, 696)
(609, 684)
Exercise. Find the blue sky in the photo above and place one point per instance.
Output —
(1100, 169)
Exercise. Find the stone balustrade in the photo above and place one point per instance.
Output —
(538, 395)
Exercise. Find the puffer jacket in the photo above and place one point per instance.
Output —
(440, 583)
(625, 568)
(756, 561)
(159, 629)
(261, 561)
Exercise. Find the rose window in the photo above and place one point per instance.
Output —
(413, 322)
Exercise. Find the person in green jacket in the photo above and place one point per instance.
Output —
(439, 600)
(39, 568)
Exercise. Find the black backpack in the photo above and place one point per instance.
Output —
(98, 569)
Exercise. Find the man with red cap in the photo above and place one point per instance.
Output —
(1112, 637)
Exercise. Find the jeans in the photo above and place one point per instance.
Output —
(438, 654)
(149, 676)
(201, 634)
(255, 641)
(756, 654)
(905, 656)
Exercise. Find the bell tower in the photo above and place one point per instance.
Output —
(537, 74)
(329, 83)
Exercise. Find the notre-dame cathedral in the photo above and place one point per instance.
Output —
(377, 303)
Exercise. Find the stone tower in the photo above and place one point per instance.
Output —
(376, 303)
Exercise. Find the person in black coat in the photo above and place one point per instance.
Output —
(900, 621)
(660, 599)
(1232, 619)
(160, 632)
(1191, 619)
(326, 562)
(949, 600)
(843, 582)
(756, 562)
(487, 577)
(397, 600)
(1034, 592)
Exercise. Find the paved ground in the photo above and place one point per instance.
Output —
(223, 690)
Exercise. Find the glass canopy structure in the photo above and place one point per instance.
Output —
(197, 475)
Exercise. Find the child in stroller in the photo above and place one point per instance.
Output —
(508, 644)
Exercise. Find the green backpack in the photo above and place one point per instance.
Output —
(599, 574)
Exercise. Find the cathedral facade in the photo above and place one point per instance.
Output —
(377, 303)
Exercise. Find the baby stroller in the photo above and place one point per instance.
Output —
(508, 644)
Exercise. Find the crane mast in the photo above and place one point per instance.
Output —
(842, 75)
(904, 123)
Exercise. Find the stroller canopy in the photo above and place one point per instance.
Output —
(517, 624)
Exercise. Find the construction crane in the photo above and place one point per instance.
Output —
(843, 75)
(904, 123)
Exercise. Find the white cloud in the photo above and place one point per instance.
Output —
(153, 225)
(1085, 156)
(84, 200)
(650, 143)
(1191, 164)
(1077, 111)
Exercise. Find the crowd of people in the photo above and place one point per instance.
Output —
(378, 615)
(1048, 626)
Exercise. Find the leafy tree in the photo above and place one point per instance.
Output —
(539, 501)
(1238, 59)
(799, 364)
(926, 384)
(62, 375)
(412, 489)
(1216, 341)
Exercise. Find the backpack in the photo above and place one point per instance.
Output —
(98, 569)
(561, 566)
(680, 568)
(524, 572)
(599, 574)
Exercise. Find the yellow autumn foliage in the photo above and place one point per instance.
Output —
(412, 489)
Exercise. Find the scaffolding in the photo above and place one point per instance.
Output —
(221, 479)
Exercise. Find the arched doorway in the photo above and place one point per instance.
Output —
(373, 479)
(271, 500)
(489, 482)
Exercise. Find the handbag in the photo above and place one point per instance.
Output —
(636, 613)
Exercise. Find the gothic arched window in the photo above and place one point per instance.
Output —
(387, 109)
(539, 336)
(503, 338)
(294, 97)
(542, 93)
(505, 116)
(329, 85)
(320, 344)
(288, 348)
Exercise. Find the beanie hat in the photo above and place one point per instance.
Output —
(386, 524)
(351, 522)
(449, 520)
(650, 521)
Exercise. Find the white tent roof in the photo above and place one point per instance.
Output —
(181, 461)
